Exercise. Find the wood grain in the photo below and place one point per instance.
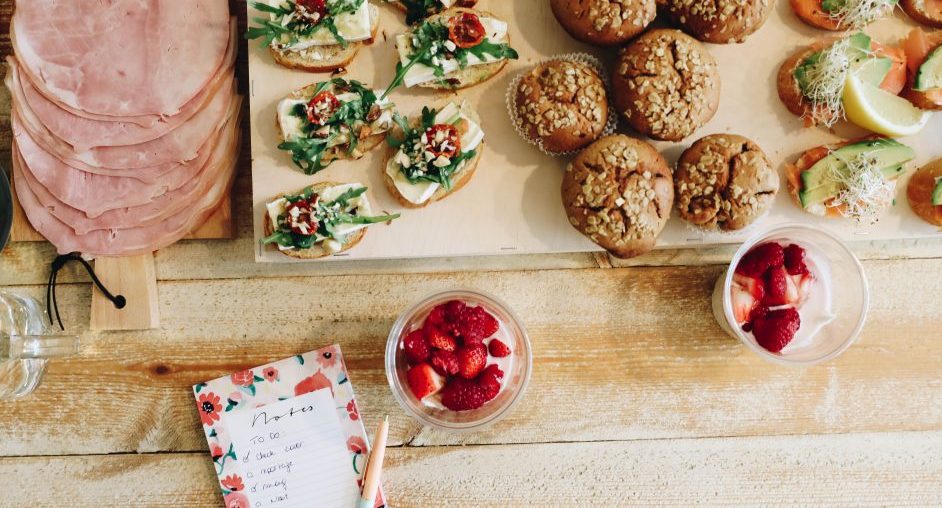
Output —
(620, 354)
(133, 278)
(897, 469)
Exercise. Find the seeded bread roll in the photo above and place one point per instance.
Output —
(923, 11)
(325, 58)
(666, 84)
(724, 182)
(604, 22)
(919, 192)
(720, 21)
(562, 105)
(619, 193)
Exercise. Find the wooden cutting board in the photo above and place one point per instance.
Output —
(134, 277)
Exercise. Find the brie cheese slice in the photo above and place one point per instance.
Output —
(352, 26)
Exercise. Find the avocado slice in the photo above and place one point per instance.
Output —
(929, 75)
(818, 187)
(859, 53)
(937, 193)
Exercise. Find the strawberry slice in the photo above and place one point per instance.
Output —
(438, 339)
(424, 381)
(746, 293)
(471, 360)
(803, 283)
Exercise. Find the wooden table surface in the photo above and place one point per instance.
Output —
(637, 396)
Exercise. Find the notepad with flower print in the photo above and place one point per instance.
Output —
(286, 434)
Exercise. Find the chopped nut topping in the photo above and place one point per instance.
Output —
(564, 101)
(670, 84)
(725, 182)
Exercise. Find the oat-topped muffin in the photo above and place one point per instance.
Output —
(562, 105)
(725, 182)
(619, 193)
(666, 84)
(720, 21)
(604, 22)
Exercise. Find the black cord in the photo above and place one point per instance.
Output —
(60, 261)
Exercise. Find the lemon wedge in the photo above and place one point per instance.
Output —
(876, 109)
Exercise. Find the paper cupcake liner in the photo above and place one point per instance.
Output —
(582, 58)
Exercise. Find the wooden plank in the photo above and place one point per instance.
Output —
(619, 354)
(849, 470)
(134, 278)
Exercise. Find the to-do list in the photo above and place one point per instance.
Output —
(293, 453)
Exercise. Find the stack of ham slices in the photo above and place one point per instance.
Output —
(125, 119)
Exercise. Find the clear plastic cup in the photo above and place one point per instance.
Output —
(850, 296)
(516, 377)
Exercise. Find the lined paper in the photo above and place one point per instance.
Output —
(293, 453)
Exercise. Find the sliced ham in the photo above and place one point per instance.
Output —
(119, 242)
(139, 60)
(82, 134)
(166, 205)
(177, 146)
(96, 194)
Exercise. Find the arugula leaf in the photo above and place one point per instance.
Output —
(417, 10)
(329, 215)
(425, 171)
(308, 153)
(429, 37)
(832, 5)
(274, 30)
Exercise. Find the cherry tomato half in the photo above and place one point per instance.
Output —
(322, 107)
(311, 10)
(298, 216)
(466, 30)
(443, 139)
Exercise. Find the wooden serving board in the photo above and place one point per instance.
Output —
(134, 277)
(512, 205)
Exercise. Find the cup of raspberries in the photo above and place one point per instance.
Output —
(458, 360)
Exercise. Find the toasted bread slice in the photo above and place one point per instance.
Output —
(473, 74)
(927, 99)
(316, 250)
(789, 91)
(325, 58)
(338, 152)
(460, 180)
(922, 13)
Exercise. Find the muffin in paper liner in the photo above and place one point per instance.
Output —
(581, 58)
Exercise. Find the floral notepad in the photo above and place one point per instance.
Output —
(287, 434)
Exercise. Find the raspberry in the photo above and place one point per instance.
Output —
(775, 329)
(776, 287)
(795, 260)
(439, 339)
(444, 362)
(415, 346)
(471, 360)
(436, 317)
(476, 324)
(758, 260)
(489, 381)
(451, 310)
(463, 394)
(498, 349)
